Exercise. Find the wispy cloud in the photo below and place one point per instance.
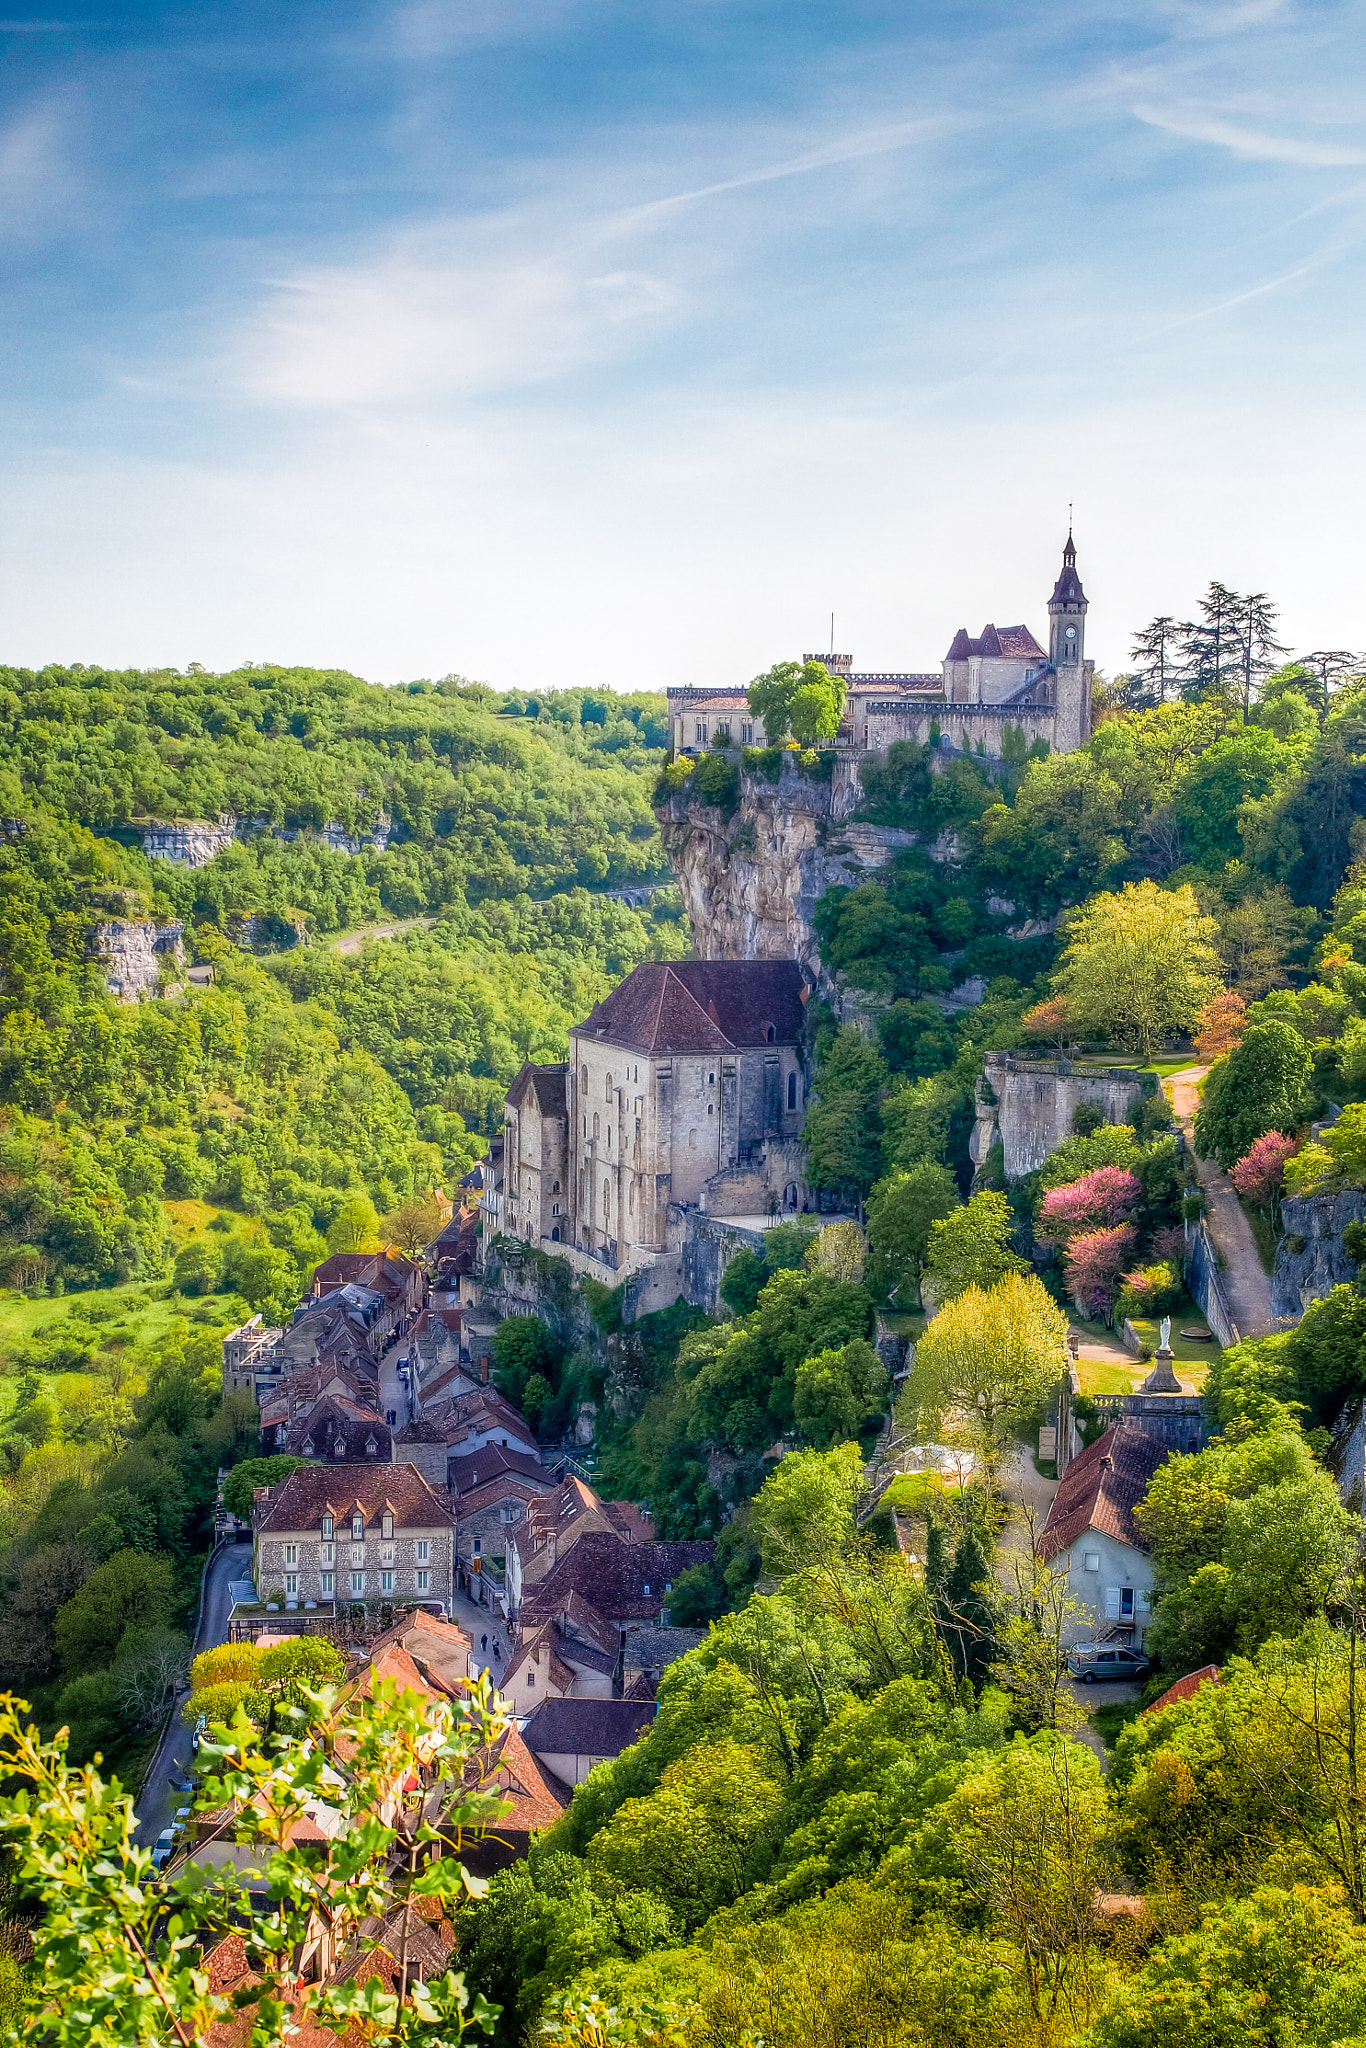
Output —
(1304, 150)
(845, 149)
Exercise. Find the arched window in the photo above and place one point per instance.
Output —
(771, 1035)
(792, 1091)
(790, 1195)
(585, 1080)
(609, 1088)
(555, 1234)
(597, 1125)
(554, 1187)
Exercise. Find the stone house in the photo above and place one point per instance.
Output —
(647, 1653)
(367, 1535)
(492, 1490)
(335, 1429)
(554, 1524)
(569, 1737)
(1091, 1534)
(621, 1585)
(250, 1363)
(535, 1156)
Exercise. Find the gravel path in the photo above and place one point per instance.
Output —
(1245, 1283)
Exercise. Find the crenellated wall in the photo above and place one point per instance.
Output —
(1026, 1105)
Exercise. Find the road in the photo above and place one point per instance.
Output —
(1245, 1281)
(157, 1806)
(353, 941)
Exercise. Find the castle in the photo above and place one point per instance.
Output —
(1001, 683)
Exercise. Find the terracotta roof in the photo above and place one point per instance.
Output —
(536, 1800)
(539, 1649)
(302, 1499)
(702, 1006)
(490, 1461)
(448, 1633)
(586, 1727)
(611, 1576)
(1102, 1488)
(341, 1267)
(1185, 1688)
(895, 685)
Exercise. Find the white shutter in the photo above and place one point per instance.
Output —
(1112, 1603)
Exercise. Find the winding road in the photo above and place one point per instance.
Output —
(1245, 1281)
(156, 1808)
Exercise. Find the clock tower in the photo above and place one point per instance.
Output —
(1067, 653)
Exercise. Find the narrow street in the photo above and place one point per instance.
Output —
(156, 1808)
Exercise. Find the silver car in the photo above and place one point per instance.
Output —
(1095, 1663)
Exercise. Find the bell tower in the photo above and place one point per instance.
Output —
(1067, 652)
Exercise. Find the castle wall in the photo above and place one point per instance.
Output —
(1026, 1105)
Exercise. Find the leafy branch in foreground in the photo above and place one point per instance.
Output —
(392, 1785)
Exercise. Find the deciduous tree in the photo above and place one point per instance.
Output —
(1139, 964)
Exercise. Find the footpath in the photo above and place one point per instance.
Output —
(1246, 1284)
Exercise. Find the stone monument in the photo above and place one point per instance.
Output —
(1162, 1379)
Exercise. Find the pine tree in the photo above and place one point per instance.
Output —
(1255, 620)
(1155, 653)
(1332, 668)
(968, 1607)
(1210, 645)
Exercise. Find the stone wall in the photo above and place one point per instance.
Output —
(1206, 1289)
(1310, 1258)
(1026, 1105)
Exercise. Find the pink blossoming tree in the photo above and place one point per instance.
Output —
(1097, 1201)
(1094, 1262)
(1260, 1176)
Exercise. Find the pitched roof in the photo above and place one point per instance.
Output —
(1010, 643)
(612, 1576)
(585, 1727)
(1067, 589)
(545, 1084)
(491, 1461)
(302, 1499)
(1185, 1688)
(702, 1006)
(1102, 1488)
(540, 1648)
(512, 1770)
(652, 1649)
(333, 1421)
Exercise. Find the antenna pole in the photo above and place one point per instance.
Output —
(832, 634)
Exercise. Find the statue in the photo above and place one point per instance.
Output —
(1165, 1333)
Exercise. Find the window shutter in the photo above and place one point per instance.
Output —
(1112, 1603)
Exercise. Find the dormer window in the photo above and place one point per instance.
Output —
(647, 1592)
(771, 1035)
(339, 1447)
(370, 1447)
(327, 1528)
(358, 1528)
(308, 1448)
(386, 1528)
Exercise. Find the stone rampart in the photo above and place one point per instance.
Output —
(1026, 1105)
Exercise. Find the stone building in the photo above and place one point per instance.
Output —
(357, 1534)
(535, 1156)
(1002, 682)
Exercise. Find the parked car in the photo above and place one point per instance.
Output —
(197, 1732)
(1093, 1663)
(164, 1850)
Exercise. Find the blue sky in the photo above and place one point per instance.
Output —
(556, 341)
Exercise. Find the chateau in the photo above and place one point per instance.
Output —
(1002, 682)
(684, 1093)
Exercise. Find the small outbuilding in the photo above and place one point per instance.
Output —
(1092, 1535)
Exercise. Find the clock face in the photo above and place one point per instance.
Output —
(1071, 632)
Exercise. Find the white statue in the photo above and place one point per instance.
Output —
(1165, 1333)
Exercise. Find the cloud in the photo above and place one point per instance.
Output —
(843, 150)
(1250, 142)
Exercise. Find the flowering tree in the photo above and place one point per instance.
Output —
(1260, 1174)
(1149, 1290)
(1169, 1242)
(1094, 1263)
(1051, 1020)
(1220, 1025)
(1100, 1198)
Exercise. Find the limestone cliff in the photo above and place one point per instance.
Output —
(1311, 1259)
(194, 842)
(131, 951)
(751, 880)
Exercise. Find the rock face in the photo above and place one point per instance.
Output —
(193, 843)
(751, 881)
(1026, 1105)
(131, 951)
(1310, 1259)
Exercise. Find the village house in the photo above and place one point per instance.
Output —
(1092, 1536)
(622, 1584)
(491, 1490)
(337, 1429)
(358, 1534)
(1002, 681)
(250, 1364)
(554, 1524)
(570, 1737)
(647, 1653)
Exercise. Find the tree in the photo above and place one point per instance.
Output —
(1260, 1175)
(128, 1590)
(991, 1355)
(523, 1347)
(537, 1396)
(799, 698)
(1059, 837)
(691, 1840)
(148, 1672)
(1139, 964)
(108, 1971)
(839, 1250)
(1156, 663)
(804, 1515)
(901, 1211)
(1331, 669)
(1050, 1020)
(1255, 618)
(1220, 1025)
(839, 1393)
(1260, 1086)
(355, 1227)
(240, 1486)
(843, 1124)
(1099, 1199)
(416, 1222)
(967, 1248)
(1210, 647)
(1093, 1264)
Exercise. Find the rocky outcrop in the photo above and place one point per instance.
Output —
(131, 951)
(1026, 1105)
(751, 880)
(1310, 1258)
(194, 842)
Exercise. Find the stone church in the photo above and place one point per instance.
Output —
(1003, 682)
(684, 1094)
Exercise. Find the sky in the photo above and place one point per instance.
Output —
(551, 342)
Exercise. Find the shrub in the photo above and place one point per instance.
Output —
(1094, 1263)
(1149, 1290)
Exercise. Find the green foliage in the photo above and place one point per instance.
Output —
(843, 1124)
(902, 1211)
(801, 699)
(969, 1247)
(242, 1481)
(1260, 1086)
(524, 1348)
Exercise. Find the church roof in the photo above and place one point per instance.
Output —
(702, 1006)
(1000, 643)
(1067, 589)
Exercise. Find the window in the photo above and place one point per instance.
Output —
(530, 1680)
(746, 731)
(476, 1545)
(386, 1528)
(370, 1447)
(386, 1555)
(291, 1585)
(291, 1553)
(711, 1111)
(358, 1528)
(329, 1552)
(386, 1582)
(424, 1550)
(723, 730)
(701, 730)
(647, 1592)
(607, 1093)
(609, 1137)
(692, 1141)
(1126, 1602)
(326, 1583)
(771, 1035)
(792, 1091)
(423, 1581)
(597, 1125)
(1093, 1560)
(358, 1582)
(711, 1080)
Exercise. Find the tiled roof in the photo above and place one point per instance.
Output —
(895, 685)
(612, 1576)
(545, 1083)
(651, 1649)
(318, 1431)
(578, 1613)
(1011, 643)
(702, 1006)
(490, 1461)
(446, 1634)
(585, 1727)
(302, 1499)
(513, 1771)
(1101, 1489)
(493, 1493)
(1185, 1688)
(542, 1648)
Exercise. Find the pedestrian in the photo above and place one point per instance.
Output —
(484, 1644)
(497, 1651)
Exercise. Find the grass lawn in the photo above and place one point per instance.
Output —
(130, 1311)
(1100, 1376)
(1262, 1234)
